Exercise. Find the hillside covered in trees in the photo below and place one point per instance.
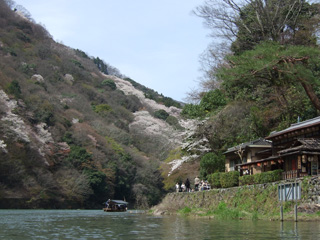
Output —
(264, 76)
(74, 131)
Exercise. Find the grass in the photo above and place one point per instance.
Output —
(251, 203)
(224, 212)
(185, 211)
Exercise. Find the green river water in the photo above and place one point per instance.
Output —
(96, 224)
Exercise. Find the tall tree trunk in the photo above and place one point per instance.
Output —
(311, 94)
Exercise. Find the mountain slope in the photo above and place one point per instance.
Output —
(72, 136)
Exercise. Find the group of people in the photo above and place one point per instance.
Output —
(184, 187)
(199, 185)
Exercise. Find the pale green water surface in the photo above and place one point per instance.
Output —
(96, 224)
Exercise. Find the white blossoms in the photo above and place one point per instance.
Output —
(3, 146)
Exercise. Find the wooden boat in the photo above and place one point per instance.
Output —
(115, 206)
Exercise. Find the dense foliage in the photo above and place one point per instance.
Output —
(260, 178)
(232, 179)
(267, 78)
(211, 163)
(66, 139)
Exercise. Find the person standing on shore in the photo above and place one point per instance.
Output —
(187, 185)
(196, 183)
(177, 187)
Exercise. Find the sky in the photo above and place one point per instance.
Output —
(157, 43)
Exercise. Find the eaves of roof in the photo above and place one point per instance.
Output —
(296, 126)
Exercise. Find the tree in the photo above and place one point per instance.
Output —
(274, 66)
(14, 88)
(161, 114)
(213, 100)
(211, 163)
(242, 24)
(248, 22)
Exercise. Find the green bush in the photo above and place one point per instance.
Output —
(192, 111)
(229, 179)
(260, 178)
(109, 83)
(276, 175)
(214, 180)
(101, 108)
(14, 88)
(213, 100)
(161, 114)
(246, 180)
(210, 163)
(78, 156)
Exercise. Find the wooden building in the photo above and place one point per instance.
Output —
(298, 148)
(244, 156)
(295, 150)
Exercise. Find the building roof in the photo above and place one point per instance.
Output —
(296, 126)
(302, 145)
(312, 144)
(255, 143)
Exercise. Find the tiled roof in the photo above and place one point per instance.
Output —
(257, 142)
(296, 126)
(304, 144)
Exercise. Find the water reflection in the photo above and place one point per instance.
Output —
(88, 224)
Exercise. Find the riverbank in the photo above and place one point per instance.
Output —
(245, 202)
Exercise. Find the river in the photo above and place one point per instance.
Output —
(96, 224)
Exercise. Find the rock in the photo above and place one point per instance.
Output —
(309, 208)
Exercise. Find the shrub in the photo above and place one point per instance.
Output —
(161, 114)
(276, 175)
(229, 179)
(101, 108)
(68, 138)
(192, 111)
(260, 178)
(45, 113)
(77, 63)
(78, 156)
(213, 100)
(246, 180)
(109, 83)
(14, 88)
(210, 163)
(81, 53)
(173, 121)
(214, 179)
(132, 103)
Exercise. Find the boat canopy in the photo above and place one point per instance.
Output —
(117, 202)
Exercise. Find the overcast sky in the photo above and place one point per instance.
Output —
(155, 42)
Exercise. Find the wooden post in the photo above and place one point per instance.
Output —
(281, 202)
(296, 199)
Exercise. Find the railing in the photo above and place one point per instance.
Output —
(293, 174)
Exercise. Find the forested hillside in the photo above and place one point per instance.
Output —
(73, 133)
(261, 73)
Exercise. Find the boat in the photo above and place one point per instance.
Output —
(115, 206)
